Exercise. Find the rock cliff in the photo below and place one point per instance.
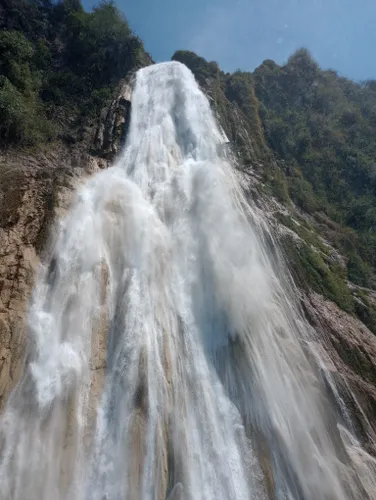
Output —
(36, 190)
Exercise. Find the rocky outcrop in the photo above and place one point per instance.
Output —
(114, 122)
(34, 191)
(348, 349)
(36, 188)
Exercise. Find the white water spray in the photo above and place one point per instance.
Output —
(166, 359)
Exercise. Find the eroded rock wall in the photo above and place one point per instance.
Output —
(36, 188)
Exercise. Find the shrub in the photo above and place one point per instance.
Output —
(302, 194)
(358, 271)
(279, 187)
(311, 271)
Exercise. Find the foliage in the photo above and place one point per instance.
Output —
(312, 271)
(59, 64)
(198, 65)
(325, 124)
(19, 114)
(358, 271)
(16, 53)
(302, 194)
(278, 184)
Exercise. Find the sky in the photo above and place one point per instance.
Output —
(240, 34)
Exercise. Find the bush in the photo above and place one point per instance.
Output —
(279, 187)
(16, 54)
(358, 271)
(361, 212)
(366, 313)
(301, 193)
(20, 118)
(311, 271)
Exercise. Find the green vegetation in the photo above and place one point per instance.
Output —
(314, 268)
(312, 272)
(304, 230)
(323, 127)
(358, 271)
(312, 265)
(59, 66)
(19, 104)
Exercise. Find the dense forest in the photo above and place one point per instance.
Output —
(59, 64)
(312, 130)
(323, 126)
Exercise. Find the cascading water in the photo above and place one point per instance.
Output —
(166, 359)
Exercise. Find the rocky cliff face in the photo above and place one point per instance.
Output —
(36, 190)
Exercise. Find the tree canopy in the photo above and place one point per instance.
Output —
(59, 61)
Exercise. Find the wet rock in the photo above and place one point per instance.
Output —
(114, 122)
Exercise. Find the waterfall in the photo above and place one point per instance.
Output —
(167, 357)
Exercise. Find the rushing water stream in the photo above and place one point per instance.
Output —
(166, 359)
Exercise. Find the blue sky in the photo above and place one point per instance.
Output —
(341, 34)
